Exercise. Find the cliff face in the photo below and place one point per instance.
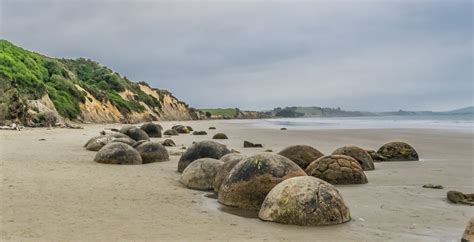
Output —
(81, 90)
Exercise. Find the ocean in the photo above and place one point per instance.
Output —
(463, 123)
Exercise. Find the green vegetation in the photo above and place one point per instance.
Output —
(33, 75)
(224, 112)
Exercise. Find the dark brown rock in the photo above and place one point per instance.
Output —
(364, 159)
(118, 153)
(220, 136)
(398, 151)
(302, 155)
(248, 144)
(152, 152)
(203, 149)
(168, 142)
(153, 130)
(337, 169)
(135, 133)
(199, 133)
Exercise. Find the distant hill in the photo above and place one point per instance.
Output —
(298, 111)
(79, 89)
(466, 110)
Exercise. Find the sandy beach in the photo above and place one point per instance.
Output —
(52, 190)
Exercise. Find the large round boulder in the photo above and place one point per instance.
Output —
(118, 153)
(252, 178)
(302, 155)
(153, 130)
(200, 173)
(364, 159)
(220, 136)
(230, 160)
(337, 169)
(136, 133)
(469, 231)
(97, 142)
(152, 152)
(203, 149)
(304, 200)
(398, 151)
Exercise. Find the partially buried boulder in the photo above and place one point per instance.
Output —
(248, 144)
(398, 151)
(203, 149)
(468, 235)
(97, 142)
(181, 129)
(302, 155)
(376, 156)
(136, 144)
(136, 133)
(199, 133)
(364, 159)
(168, 142)
(252, 178)
(304, 200)
(118, 153)
(230, 160)
(126, 140)
(220, 136)
(212, 127)
(114, 134)
(200, 173)
(153, 130)
(337, 169)
(171, 132)
(152, 152)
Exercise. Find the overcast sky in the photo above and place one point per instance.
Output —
(357, 55)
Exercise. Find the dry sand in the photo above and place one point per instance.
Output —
(52, 189)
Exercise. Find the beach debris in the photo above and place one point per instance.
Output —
(468, 235)
(199, 133)
(359, 154)
(248, 144)
(433, 186)
(398, 151)
(153, 130)
(118, 153)
(461, 198)
(200, 173)
(67, 126)
(249, 182)
(212, 127)
(302, 155)
(283, 129)
(181, 129)
(152, 152)
(337, 169)
(304, 200)
(376, 157)
(135, 133)
(220, 136)
(170, 132)
(230, 160)
(203, 149)
(168, 142)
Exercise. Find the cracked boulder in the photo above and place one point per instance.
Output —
(364, 159)
(337, 169)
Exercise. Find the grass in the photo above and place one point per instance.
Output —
(225, 112)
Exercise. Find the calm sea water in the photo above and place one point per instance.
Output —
(464, 123)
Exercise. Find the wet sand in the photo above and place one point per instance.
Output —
(52, 189)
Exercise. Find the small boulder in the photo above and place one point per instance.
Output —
(168, 142)
(461, 198)
(199, 133)
(114, 134)
(468, 235)
(249, 182)
(203, 149)
(398, 151)
(181, 129)
(230, 160)
(302, 155)
(364, 159)
(118, 153)
(171, 132)
(248, 144)
(153, 130)
(304, 200)
(220, 136)
(283, 129)
(337, 169)
(200, 173)
(212, 127)
(190, 128)
(152, 152)
(136, 134)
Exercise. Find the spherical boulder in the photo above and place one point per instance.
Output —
(253, 177)
(302, 155)
(200, 173)
(304, 200)
(337, 169)
(171, 132)
(152, 152)
(230, 160)
(136, 134)
(118, 153)
(168, 142)
(97, 142)
(153, 130)
(364, 159)
(469, 231)
(203, 149)
(220, 136)
(398, 151)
